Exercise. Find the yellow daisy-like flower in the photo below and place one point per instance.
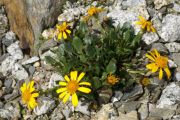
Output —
(146, 25)
(91, 12)
(29, 95)
(94, 10)
(71, 85)
(112, 79)
(63, 31)
(158, 62)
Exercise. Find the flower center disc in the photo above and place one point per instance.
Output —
(72, 86)
(26, 96)
(161, 62)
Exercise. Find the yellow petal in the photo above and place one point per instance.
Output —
(68, 31)
(35, 94)
(23, 88)
(81, 76)
(156, 53)
(152, 54)
(153, 29)
(66, 78)
(62, 95)
(64, 35)
(150, 57)
(73, 75)
(64, 24)
(141, 18)
(85, 83)
(150, 66)
(160, 74)
(60, 90)
(148, 28)
(85, 90)
(60, 36)
(155, 68)
(74, 100)
(32, 103)
(138, 23)
(168, 73)
(62, 83)
(66, 97)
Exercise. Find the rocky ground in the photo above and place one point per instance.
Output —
(158, 101)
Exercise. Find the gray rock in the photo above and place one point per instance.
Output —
(160, 112)
(53, 80)
(120, 17)
(173, 46)
(133, 94)
(46, 105)
(107, 112)
(117, 96)
(150, 38)
(66, 112)
(8, 83)
(129, 106)
(70, 14)
(32, 70)
(12, 96)
(129, 116)
(56, 114)
(172, 64)
(9, 38)
(7, 65)
(160, 47)
(143, 111)
(19, 72)
(176, 7)
(105, 95)
(170, 28)
(154, 118)
(161, 3)
(169, 97)
(3, 57)
(155, 94)
(15, 51)
(10, 111)
(177, 76)
(31, 60)
(48, 53)
(176, 117)
(42, 117)
(83, 108)
(176, 59)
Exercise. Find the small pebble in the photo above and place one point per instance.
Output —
(36, 64)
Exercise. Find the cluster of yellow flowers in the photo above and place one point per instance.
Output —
(71, 85)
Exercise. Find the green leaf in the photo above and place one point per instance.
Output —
(96, 83)
(111, 67)
(77, 44)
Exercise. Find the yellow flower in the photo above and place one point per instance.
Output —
(146, 25)
(158, 62)
(112, 79)
(29, 95)
(71, 85)
(91, 12)
(94, 10)
(63, 30)
(145, 81)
